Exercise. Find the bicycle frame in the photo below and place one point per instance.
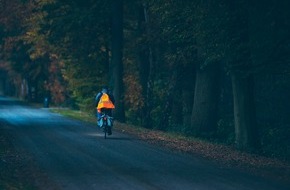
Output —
(106, 123)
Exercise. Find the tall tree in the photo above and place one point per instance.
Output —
(83, 64)
(146, 62)
(169, 42)
(209, 36)
(241, 65)
(25, 71)
(144, 66)
(117, 58)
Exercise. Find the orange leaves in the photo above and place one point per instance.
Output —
(133, 93)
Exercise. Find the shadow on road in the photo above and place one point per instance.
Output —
(121, 138)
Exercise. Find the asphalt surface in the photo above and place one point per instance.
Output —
(74, 155)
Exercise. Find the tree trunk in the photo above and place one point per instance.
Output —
(146, 67)
(205, 106)
(171, 112)
(244, 112)
(188, 87)
(2, 82)
(117, 56)
(241, 66)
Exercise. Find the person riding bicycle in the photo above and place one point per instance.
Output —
(104, 104)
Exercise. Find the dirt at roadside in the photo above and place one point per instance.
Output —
(17, 169)
(11, 166)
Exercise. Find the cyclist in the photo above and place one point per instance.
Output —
(104, 104)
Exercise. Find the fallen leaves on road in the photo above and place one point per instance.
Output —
(225, 155)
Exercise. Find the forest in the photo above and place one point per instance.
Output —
(215, 70)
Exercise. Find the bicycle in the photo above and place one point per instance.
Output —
(106, 123)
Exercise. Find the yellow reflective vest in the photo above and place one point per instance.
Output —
(105, 102)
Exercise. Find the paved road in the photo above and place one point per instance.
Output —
(74, 155)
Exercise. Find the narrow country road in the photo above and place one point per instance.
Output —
(74, 155)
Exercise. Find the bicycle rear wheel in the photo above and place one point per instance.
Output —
(105, 131)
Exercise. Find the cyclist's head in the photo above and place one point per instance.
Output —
(105, 89)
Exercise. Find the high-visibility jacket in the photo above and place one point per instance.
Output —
(105, 102)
